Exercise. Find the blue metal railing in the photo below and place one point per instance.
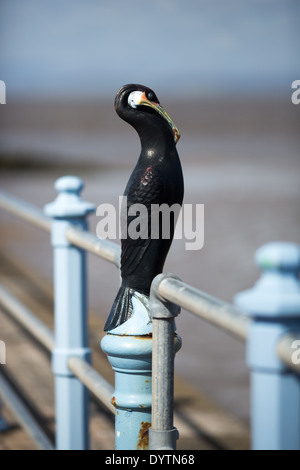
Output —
(269, 322)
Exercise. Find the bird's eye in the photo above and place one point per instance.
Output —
(150, 96)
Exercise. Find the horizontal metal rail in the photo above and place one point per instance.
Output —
(286, 348)
(224, 315)
(24, 211)
(96, 384)
(26, 318)
(82, 369)
(104, 248)
(209, 308)
(23, 415)
(197, 302)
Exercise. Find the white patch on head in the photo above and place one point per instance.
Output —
(134, 98)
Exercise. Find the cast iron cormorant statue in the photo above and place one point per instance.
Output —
(156, 179)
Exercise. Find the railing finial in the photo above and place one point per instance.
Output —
(277, 292)
(279, 256)
(68, 202)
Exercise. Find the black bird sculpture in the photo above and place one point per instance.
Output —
(156, 179)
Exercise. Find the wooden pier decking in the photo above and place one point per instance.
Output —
(201, 423)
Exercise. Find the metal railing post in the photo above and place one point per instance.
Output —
(162, 433)
(129, 351)
(274, 306)
(70, 321)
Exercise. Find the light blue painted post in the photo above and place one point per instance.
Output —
(274, 305)
(129, 351)
(70, 322)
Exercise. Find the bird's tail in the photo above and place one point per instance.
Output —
(122, 308)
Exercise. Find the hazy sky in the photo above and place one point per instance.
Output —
(86, 47)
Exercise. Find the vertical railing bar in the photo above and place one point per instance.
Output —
(288, 349)
(162, 433)
(274, 306)
(70, 315)
(163, 374)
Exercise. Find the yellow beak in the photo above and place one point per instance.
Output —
(160, 110)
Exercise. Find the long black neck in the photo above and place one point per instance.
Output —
(155, 135)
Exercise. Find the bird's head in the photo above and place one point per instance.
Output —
(136, 103)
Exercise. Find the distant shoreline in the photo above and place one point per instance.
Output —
(243, 114)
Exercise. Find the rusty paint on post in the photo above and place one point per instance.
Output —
(143, 337)
(114, 401)
(143, 437)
